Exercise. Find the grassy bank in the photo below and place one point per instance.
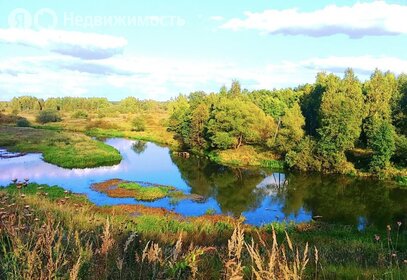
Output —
(68, 150)
(50, 232)
(116, 125)
(141, 191)
(247, 156)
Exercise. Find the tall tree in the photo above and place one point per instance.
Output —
(292, 129)
(341, 115)
(233, 122)
(380, 91)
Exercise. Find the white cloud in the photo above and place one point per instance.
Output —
(163, 78)
(217, 18)
(76, 44)
(363, 65)
(375, 18)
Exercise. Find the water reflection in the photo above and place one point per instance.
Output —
(259, 194)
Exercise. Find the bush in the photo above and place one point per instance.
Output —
(7, 119)
(138, 124)
(400, 156)
(101, 124)
(48, 116)
(80, 115)
(23, 122)
(302, 158)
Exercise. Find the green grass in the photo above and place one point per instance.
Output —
(146, 193)
(143, 136)
(65, 149)
(272, 163)
(344, 252)
(50, 192)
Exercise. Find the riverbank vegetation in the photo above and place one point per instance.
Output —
(47, 232)
(142, 191)
(335, 125)
(314, 127)
(68, 150)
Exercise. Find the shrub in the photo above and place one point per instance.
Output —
(48, 116)
(101, 124)
(22, 122)
(7, 119)
(80, 115)
(303, 158)
(138, 124)
(400, 156)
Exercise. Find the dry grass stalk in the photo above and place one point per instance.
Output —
(234, 268)
(107, 239)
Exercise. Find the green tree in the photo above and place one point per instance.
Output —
(234, 122)
(235, 89)
(180, 117)
(138, 123)
(199, 120)
(381, 141)
(291, 132)
(400, 106)
(341, 114)
(380, 91)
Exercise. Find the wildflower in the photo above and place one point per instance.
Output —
(377, 237)
(36, 220)
(14, 181)
(394, 255)
(388, 227)
(399, 223)
(22, 195)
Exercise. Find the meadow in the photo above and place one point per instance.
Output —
(49, 233)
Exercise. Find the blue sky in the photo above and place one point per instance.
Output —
(158, 49)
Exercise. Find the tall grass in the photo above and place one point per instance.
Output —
(36, 244)
(62, 236)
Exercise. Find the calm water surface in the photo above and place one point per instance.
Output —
(261, 195)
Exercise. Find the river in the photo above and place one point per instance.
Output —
(260, 195)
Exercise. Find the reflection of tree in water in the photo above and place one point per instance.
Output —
(139, 147)
(337, 199)
(233, 188)
(344, 200)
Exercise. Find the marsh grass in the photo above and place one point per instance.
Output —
(68, 150)
(146, 192)
(43, 237)
(142, 191)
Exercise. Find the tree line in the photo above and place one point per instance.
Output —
(314, 127)
(74, 104)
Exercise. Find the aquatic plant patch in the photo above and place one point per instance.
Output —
(142, 191)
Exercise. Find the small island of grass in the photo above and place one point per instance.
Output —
(141, 190)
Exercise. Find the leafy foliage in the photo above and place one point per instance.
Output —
(138, 124)
(48, 116)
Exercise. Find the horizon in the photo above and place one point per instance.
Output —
(158, 50)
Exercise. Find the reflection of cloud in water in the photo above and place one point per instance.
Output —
(32, 166)
(271, 184)
(155, 165)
